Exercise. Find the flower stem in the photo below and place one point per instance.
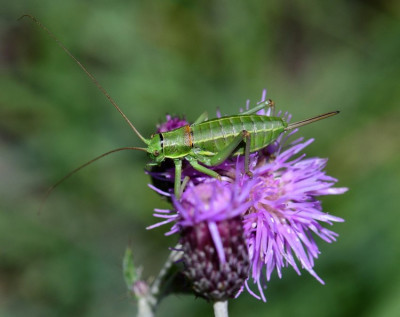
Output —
(149, 298)
(221, 309)
(145, 309)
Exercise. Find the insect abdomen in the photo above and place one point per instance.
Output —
(214, 135)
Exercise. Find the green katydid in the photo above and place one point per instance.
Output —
(211, 142)
(205, 143)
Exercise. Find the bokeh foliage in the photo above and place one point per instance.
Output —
(185, 57)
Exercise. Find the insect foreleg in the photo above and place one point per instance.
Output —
(178, 175)
(263, 104)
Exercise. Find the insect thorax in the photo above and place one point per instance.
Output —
(177, 143)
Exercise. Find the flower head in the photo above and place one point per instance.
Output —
(209, 220)
(281, 225)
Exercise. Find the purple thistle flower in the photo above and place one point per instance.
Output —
(209, 220)
(211, 202)
(280, 225)
(278, 210)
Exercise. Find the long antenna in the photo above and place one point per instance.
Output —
(50, 189)
(295, 125)
(94, 80)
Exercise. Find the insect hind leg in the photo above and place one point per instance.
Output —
(261, 105)
(221, 156)
(247, 136)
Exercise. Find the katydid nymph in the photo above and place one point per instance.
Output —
(211, 142)
(205, 143)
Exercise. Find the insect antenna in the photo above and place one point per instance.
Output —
(295, 125)
(93, 79)
(50, 189)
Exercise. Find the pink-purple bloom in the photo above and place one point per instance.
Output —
(278, 208)
(281, 223)
(171, 123)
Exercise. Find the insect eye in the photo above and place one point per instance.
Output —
(156, 153)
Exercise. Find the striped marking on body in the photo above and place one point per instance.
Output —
(188, 136)
(232, 125)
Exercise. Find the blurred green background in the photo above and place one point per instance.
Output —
(185, 57)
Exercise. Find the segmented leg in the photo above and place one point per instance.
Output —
(184, 183)
(247, 136)
(259, 106)
(202, 168)
(228, 150)
(178, 175)
(178, 186)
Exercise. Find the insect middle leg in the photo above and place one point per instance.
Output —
(203, 169)
(213, 161)
(179, 186)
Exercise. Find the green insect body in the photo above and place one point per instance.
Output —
(214, 135)
(209, 142)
